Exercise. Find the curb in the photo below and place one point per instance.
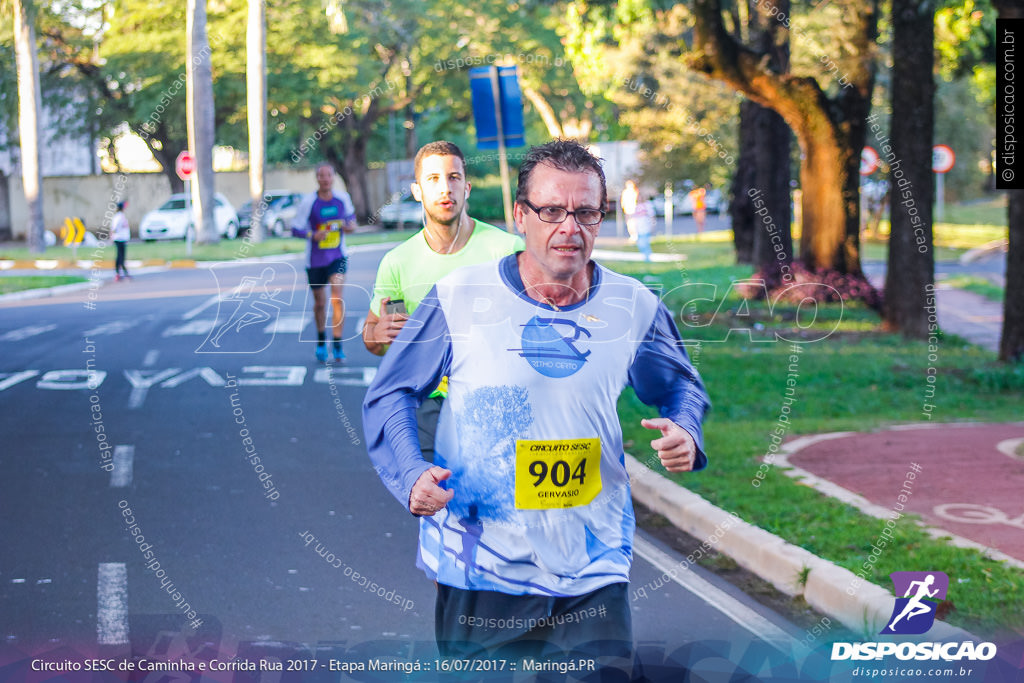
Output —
(972, 255)
(780, 563)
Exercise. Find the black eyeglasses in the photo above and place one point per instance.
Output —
(556, 214)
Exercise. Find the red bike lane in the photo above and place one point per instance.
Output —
(967, 479)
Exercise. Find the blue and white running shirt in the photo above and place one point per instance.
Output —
(530, 429)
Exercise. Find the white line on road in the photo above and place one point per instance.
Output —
(150, 359)
(124, 466)
(141, 384)
(713, 596)
(8, 381)
(201, 307)
(112, 604)
(25, 332)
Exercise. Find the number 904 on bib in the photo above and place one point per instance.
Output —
(557, 474)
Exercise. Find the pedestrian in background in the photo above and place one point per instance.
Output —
(121, 234)
(629, 201)
(700, 206)
(322, 219)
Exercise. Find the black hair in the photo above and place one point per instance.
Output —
(441, 148)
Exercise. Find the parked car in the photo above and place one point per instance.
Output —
(277, 217)
(171, 221)
(405, 210)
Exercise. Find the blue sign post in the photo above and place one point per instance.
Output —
(498, 113)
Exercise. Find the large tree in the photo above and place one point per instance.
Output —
(29, 115)
(199, 119)
(828, 121)
(256, 89)
(760, 206)
(911, 266)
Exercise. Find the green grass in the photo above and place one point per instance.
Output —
(851, 376)
(225, 250)
(978, 285)
(17, 283)
(988, 212)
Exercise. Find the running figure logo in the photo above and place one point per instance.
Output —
(914, 612)
(255, 300)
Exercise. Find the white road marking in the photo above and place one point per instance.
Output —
(150, 359)
(201, 307)
(24, 333)
(202, 326)
(712, 595)
(112, 604)
(113, 327)
(124, 466)
(10, 380)
(141, 384)
(287, 323)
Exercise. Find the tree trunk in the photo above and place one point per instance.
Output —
(411, 140)
(351, 165)
(544, 110)
(744, 184)
(910, 276)
(1011, 342)
(830, 131)
(29, 116)
(773, 239)
(256, 105)
(199, 107)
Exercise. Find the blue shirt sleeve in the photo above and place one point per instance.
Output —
(412, 368)
(662, 376)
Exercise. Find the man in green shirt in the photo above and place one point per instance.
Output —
(450, 239)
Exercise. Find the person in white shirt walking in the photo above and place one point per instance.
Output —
(121, 233)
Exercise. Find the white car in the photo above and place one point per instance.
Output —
(171, 221)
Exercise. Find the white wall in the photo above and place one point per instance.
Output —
(91, 197)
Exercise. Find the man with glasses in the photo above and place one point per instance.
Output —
(526, 523)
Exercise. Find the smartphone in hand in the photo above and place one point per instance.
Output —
(395, 306)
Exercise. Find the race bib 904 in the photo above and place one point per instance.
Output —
(563, 473)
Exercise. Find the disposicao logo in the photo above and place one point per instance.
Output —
(914, 612)
(917, 597)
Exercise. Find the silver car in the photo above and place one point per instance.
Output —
(281, 206)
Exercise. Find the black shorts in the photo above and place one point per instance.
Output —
(480, 623)
(321, 275)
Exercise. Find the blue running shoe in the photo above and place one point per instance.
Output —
(339, 355)
(321, 353)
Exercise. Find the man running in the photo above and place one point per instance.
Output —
(526, 521)
(449, 239)
(322, 219)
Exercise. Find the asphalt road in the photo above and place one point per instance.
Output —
(139, 408)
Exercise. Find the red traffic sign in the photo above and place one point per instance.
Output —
(868, 161)
(185, 165)
(942, 158)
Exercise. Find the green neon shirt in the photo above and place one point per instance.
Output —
(409, 270)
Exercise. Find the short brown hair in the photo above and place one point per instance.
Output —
(439, 148)
(565, 155)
